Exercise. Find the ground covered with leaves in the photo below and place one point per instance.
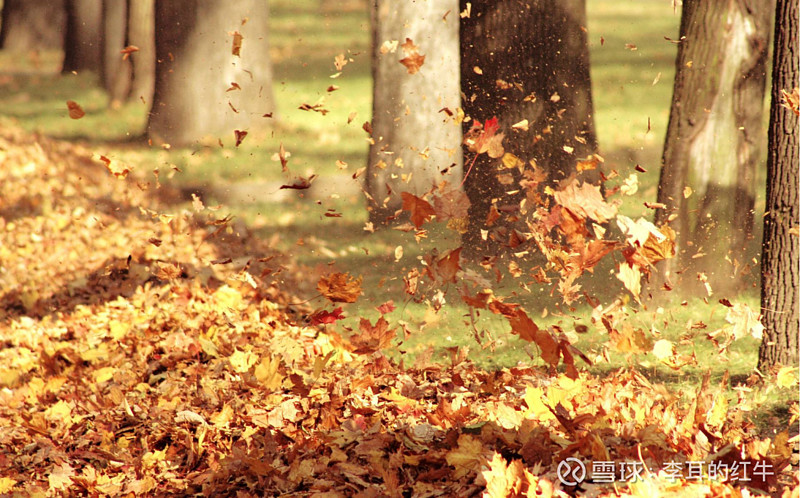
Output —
(151, 349)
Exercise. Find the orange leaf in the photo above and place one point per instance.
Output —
(523, 326)
(420, 209)
(237, 43)
(340, 287)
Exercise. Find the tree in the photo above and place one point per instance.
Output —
(780, 278)
(416, 140)
(203, 88)
(129, 23)
(82, 40)
(523, 60)
(32, 25)
(712, 147)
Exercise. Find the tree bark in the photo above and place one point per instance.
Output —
(523, 59)
(116, 70)
(780, 276)
(196, 67)
(32, 25)
(414, 131)
(712, 149)
(141, 34)
(83, 49)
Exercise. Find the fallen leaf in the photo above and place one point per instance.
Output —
(420, 209)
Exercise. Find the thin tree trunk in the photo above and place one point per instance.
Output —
(83, 49)
(32, 25)
(523, 60)
(712, 150)
(116, 70)
(141, 33)
(415, 136)
(196, 67)
(780, 275)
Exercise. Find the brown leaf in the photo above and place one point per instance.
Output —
(413, 60)
(340, 287)
(237, 43)
(300, 184)
(452, 204)
(420, 209)
(75, 110)
(239, 136)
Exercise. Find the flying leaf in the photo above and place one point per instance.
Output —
(239, 136)
(326, 317)
(413, 59)
(585, 201)
(75, 110)
(420, 209)
(372, 337)
(127, 51)
(483, 138)
(237, 43)
(745, 321)
(300, 184)
(451, 204)
(340, 287)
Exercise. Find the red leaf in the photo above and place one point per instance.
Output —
(325, 317)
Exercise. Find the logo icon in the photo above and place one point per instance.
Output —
(571, 471)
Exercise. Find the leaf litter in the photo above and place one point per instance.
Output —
(130, 367)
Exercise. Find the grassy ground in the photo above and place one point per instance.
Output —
(632, 71)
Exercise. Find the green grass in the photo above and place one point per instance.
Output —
(632, 92)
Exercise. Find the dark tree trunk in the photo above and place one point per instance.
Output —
(523, 59)
(712, 149)
(83, 49)
(116, 70)
(32, 25)
(195, 68)
(414, 140)
(780, 276)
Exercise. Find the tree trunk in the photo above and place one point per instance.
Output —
(196, 68)
(712, 149)
(779, 268)
(83, 49)
(523, 59)
(415, 134)
(32, 25)
(116, 70)
(141, 33)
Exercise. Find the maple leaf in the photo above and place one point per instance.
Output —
(372, 337)
(526, 329)
(585, 201)
(413, 60)
(444, 269)
(75, 110)
(420, 209)
(386, 307)
(340, 287)
(451, 204)
(483, 138)
(326, 317)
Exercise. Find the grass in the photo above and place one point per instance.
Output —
(632, 92)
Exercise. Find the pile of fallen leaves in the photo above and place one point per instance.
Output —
(147, 350)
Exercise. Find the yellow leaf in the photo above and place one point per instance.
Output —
(103, 374)
(716, 416)
(226, 297)
(224, 417)
(468, 457)
(242, 361)
(787, 377)
(118, 329)
(151, 458)
(534, 399)
(6, 484)
(663, 349)
(631, 278)
(267, 372)
(60, 412)
(61, 476)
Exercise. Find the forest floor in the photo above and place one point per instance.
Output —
(158, 343)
